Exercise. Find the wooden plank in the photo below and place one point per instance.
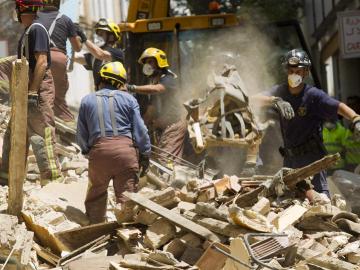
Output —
(17, 160)
(213, 259)
(289, 217)
(78, 237)
(172, 217)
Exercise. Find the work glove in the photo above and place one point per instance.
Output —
(284, 108)
(33, 101)
(356, 127)
(144, 162)
(131, 87)
(80, 33)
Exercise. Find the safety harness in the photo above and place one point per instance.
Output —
(52, 28)
(101, 115)
(25, 40)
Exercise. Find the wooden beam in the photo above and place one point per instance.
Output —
(172, 217)
(17, 159)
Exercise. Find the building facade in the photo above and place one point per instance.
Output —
(339, 71)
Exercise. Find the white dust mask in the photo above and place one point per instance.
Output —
(148, 70)
(99, 41)
(294, 80)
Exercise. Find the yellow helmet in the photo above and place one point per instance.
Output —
(114, 73)
(104, 24)
(159, 55)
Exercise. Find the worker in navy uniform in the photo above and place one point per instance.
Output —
(303, 108)
(112, 133)
(104, 50)
(166, 112)
(60, 28)
(34, 45)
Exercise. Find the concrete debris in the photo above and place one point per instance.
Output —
(179, 220)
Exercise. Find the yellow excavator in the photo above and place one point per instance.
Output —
(189, 42)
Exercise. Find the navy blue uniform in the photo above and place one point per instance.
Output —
(302, 135)
(64, 29)
(38, 43)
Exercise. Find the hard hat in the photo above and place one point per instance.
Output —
(28, 6)
(104, 24)
(114, 73)
(296, 58)
(159, 55)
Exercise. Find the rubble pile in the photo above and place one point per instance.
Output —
(180, 219)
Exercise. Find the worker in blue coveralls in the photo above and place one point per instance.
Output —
(303, 109)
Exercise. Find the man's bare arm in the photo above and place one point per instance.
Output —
(97, 52)
(149, 89)
(346, 111)
(76, 43)
(39, 72)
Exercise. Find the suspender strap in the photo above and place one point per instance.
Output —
(25, 40)
(112, 113)
(101, 115)
(52, 28)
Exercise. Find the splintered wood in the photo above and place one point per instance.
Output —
(17, 164)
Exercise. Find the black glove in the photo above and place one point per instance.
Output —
(284, 108)
(356, 127)
(144, 163)
(131, 87)
(33, 101)
(80, 33)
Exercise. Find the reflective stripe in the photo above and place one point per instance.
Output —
(112, 113)
(51, 153)
(101, 115)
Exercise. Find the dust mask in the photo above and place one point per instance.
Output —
(148, 70)
(294, 80)
(99, 41)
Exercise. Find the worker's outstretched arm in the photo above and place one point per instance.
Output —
(283, 107)
(97, 52)
(346, 111)
(39, 72)
(148, 89)
(140, 132)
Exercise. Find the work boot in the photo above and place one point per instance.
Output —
(124, 212)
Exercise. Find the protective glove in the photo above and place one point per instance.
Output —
(80, 33)
(131, 87)
(356, 127)
(144, 162)
(33, 101)
(284, 108)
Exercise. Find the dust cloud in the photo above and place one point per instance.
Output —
(256, 57)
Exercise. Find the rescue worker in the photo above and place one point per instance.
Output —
(111, 131)
(334, 135)
(166, 109)
(34, 44)
(60, 28)
(303, 109)
(104, 50)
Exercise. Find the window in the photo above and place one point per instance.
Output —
(329, 69)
